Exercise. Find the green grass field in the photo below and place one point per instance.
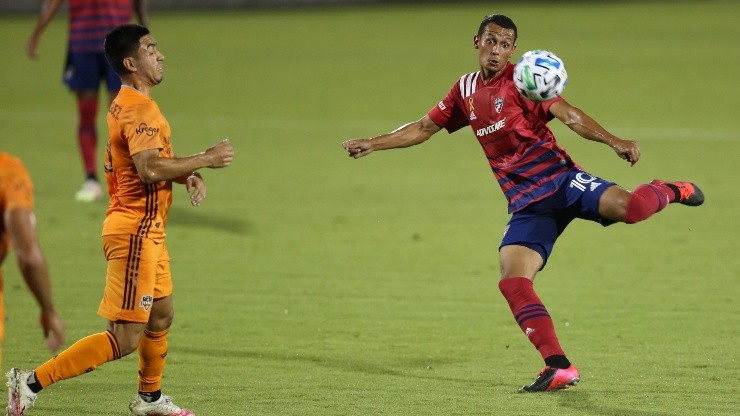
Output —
(310, 283)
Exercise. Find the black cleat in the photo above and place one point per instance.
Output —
(686, 192)
(551, 378)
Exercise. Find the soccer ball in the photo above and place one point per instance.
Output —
(540, 75)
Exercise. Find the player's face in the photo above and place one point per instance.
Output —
(495, 46)
(149, 61)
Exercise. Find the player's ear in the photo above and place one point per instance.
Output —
(475, 41)
(129, 64)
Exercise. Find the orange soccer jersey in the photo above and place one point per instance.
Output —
(135, 124)
(16, 191)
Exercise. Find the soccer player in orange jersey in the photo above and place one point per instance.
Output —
(140, 169)
(18, 229)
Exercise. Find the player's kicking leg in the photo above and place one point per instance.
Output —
(685, 193)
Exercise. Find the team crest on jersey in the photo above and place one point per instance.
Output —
(498, 104)
(146, 302)
(472, 107)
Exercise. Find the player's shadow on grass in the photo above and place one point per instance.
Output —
(581, 401)
(409, 370)
(190, 217)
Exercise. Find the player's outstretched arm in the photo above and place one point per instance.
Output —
(407, 135)
(588, 128)
(21, 226)
(153, 168)
(141, 9)
(49, 9)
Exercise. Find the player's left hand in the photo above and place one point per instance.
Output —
(32, 47)
(53, 329)
(196, 187)
(627, 150)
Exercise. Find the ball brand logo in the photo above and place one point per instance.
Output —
(149, 131)
(545, 61)
(146, 302)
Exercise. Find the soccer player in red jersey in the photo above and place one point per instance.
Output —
(86, 67)
(544, 187)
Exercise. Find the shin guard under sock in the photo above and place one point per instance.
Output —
(87, 134)
(531, 315)
(645, 201)
(152, 353)
(82, 357)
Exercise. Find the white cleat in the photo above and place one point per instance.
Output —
(20, 396)
(162, 407)
(90, 191)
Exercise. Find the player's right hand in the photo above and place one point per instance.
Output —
(221, 154)
(357, 147)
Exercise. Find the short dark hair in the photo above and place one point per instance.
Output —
(500, 20)
(122, 42)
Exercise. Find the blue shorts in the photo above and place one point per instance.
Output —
(83, 71)
(538, 225)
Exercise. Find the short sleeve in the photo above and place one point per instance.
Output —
(141, 125)
(448, 113)
(16, 186)
(540, 109)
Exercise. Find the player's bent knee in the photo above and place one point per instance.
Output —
(127, 334)
(128, 342)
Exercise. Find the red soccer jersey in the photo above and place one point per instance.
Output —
(513, 132)
(91, 20)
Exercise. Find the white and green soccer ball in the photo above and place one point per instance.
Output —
(540, 75)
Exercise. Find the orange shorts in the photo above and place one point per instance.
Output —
(138, 273)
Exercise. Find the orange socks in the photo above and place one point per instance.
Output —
(82, 357)
(152, 353)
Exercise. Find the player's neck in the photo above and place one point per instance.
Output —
(146, 90)
(490, 76)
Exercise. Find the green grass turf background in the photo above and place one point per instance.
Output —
(310, 283)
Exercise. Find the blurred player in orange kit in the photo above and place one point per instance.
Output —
(18, 229)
